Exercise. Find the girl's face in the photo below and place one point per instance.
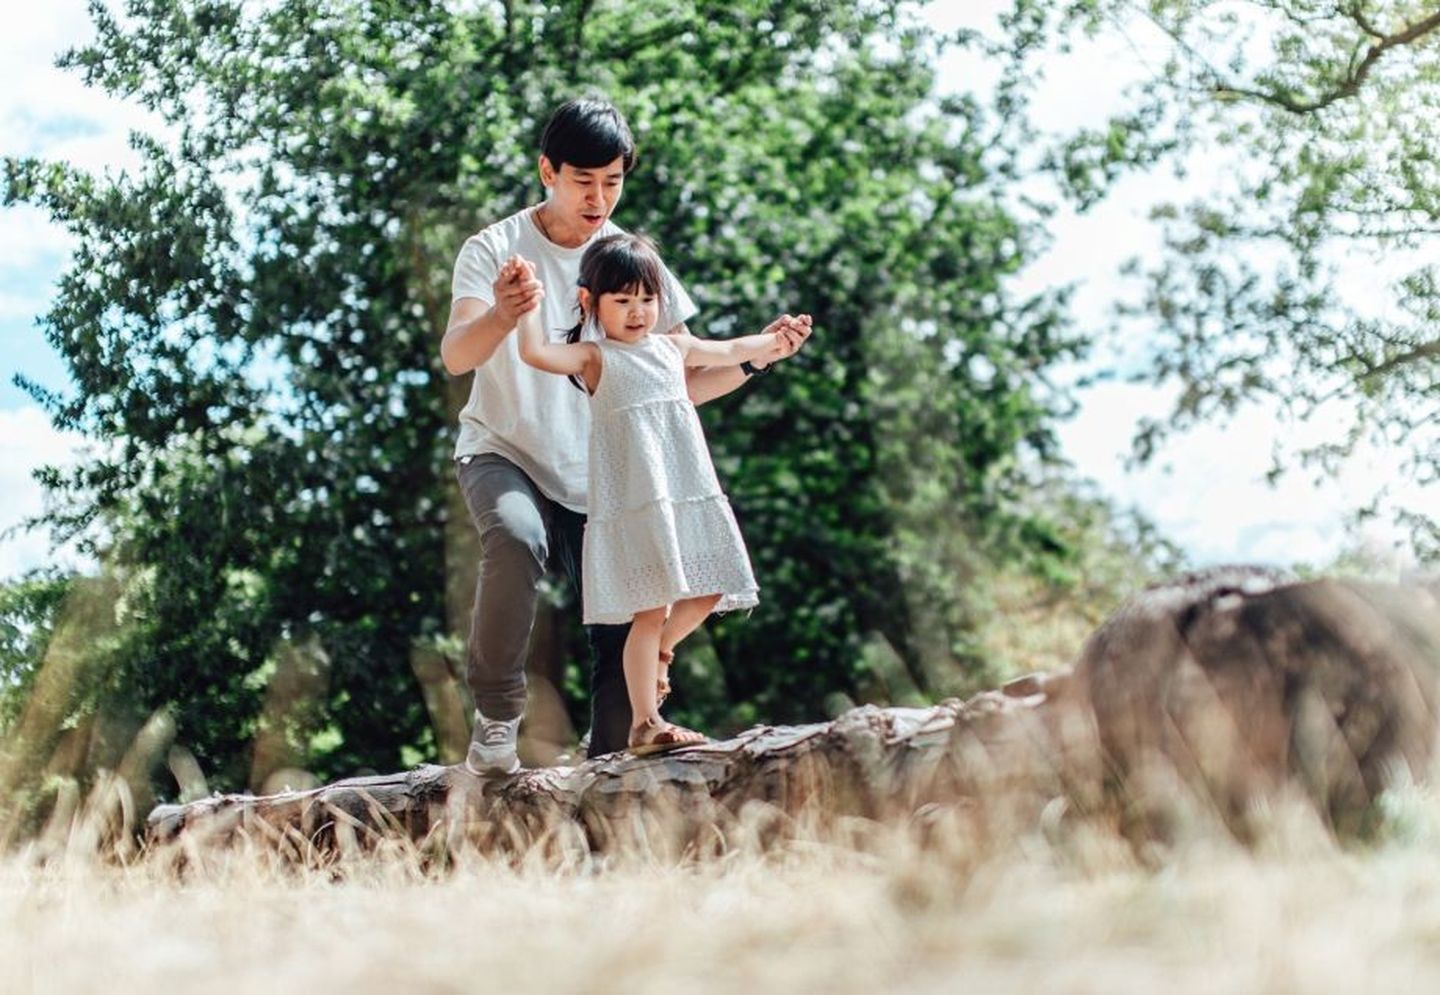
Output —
(629, 314)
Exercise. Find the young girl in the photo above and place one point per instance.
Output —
(662, 550)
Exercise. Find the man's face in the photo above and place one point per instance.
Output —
(584, 197)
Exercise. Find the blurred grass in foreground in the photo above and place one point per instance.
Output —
(860, 907)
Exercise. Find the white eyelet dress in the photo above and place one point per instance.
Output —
(659, 529)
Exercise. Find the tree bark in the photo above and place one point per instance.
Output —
(1205, 695)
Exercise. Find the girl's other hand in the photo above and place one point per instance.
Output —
(790, 333)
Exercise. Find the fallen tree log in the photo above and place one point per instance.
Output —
(1222, 688)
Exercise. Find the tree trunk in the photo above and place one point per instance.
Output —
(1204, 696)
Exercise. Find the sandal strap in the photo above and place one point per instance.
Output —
(662, 681)
(664, 734)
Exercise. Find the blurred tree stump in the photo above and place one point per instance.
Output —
(1220, 690)
(1237, 685)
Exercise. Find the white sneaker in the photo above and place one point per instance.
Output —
(492, 746)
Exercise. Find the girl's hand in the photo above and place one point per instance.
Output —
(517, 291)
(790, 333)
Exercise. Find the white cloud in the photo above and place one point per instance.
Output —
(46, 110)
(30, 237)
(51, 114)
(32, 251)
(36, 32)
(28, 441)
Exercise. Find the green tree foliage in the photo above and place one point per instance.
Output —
(29, 608)
(1302, 271)
(60, 711)
(252, 318)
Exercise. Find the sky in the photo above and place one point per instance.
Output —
(1207, 490)
(47, 113)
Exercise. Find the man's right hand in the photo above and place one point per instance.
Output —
(516, 290)
(475, 329)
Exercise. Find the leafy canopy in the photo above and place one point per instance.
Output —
(251, 319)
(1301, 271)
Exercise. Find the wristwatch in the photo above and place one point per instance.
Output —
(751, 370)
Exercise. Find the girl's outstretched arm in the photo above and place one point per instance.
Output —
(571, 358)
(728, 352)
(705, 383)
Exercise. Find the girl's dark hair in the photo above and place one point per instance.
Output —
(612, 265)
(587, 133)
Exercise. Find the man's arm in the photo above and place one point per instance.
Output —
(705, 383)
(476, 329)
(474, 332)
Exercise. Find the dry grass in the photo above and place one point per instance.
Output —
(870, 908)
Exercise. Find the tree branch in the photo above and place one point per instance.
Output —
(1353, 80)
(1424, 351)
(577, 45)
(656, 36)
(1357, 15)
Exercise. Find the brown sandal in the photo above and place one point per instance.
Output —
(662, 683)
(653, 737)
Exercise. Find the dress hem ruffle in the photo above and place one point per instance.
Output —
(742, 601)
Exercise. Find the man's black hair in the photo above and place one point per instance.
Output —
(587, 133)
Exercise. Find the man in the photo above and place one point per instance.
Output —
(521, 455)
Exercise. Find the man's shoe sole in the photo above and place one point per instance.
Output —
(493, 770)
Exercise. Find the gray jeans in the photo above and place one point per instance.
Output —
(520, 529)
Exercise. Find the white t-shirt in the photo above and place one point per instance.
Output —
(539, 421)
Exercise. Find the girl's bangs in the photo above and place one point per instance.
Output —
(629, 267)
